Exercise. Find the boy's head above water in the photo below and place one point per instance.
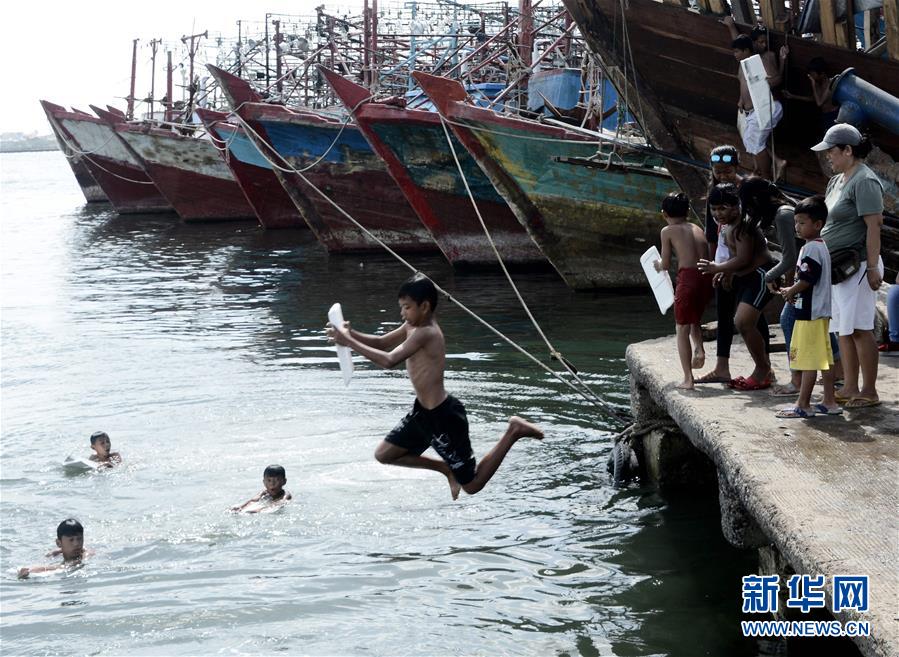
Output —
(273, 478)
(70, 539)
(101, 443)
(417, 299)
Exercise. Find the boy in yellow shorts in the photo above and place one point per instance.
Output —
(809, 347)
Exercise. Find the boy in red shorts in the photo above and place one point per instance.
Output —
(691, 295)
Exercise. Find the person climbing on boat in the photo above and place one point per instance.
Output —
(755, 139)
(437, 419)
(822, 96)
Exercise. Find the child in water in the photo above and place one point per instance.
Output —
(102, 445)
(437, 419)
(70, 544)
(688, 244)
(273, 478)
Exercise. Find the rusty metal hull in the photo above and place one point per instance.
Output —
(592, 219)
(189, 172)
(253, 173)
(93, 193)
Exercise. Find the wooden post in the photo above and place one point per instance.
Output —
(829, 30)
(891, 18)
(130, 113)
(168, 87)
(744, 12)
(769, 13)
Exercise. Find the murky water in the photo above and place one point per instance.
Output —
(199, 349)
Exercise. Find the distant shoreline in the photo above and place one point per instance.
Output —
(25, 149)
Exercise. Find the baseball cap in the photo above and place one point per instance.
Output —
(841, 133)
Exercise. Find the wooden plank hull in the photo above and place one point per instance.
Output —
(350, 173)
(684, 74)
(254, 174)
(189, 172)
(591, 221)
(413, 145)
(118, 173)
(93, 193)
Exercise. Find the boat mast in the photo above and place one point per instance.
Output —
(154, 45)
(191, 54)
(130, 113)
(168, 87)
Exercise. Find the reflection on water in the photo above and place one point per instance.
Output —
(199, 349)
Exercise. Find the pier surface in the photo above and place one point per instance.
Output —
(825, 491)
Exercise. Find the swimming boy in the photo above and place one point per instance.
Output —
(810, 350)
(101, 444)
(691, 295)
(70, 544)
(273, 479)
(437, 419)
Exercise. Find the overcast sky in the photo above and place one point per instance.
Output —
(80, 53)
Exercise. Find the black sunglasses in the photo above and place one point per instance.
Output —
(727, 158)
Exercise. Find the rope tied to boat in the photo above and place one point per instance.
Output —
(555, 353)
(583, 390)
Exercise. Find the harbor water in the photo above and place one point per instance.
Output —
(200, 350)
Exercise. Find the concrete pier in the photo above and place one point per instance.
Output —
(816, 497)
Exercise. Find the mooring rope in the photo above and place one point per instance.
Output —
(259, 140)
(555, 353)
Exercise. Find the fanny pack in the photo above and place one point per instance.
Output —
(844, 263)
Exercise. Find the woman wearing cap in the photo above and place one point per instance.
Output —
(852, 234)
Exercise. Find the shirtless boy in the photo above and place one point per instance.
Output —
(273, 479)
(102, 445)
(70, 544)
(687, 241)
(755, 140)
(437, 419)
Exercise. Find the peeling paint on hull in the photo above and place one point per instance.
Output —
(189, 172)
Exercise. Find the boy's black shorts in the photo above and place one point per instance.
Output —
(751, 288)
(445, 428)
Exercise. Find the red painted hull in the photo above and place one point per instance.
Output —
(124, 182)
(188, 172)
(93, 193)
(360, 185)
(435, 191)
(262, 189)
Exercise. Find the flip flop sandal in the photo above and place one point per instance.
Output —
(707, 378)
(794, 413)
(821, 409)
(841, 399)
(787, 390)
(750, 384)
(862, 402)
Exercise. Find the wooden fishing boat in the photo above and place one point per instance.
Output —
(93, 193)
(591, 212)
(413, 145)
(253, 173)
(333, 157)
(187, 170)
(681, 67)
(119, 174)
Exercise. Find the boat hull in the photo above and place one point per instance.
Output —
(413, 145)
(92, 191)
(118, 173)
(350, 173)
(262, 189)
(591, 218)
(189, 172)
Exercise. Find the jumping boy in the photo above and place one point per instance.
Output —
(273, 479)
(691, 295)
(437, 419)
(101, 444)
(70, 544)
(810, 350)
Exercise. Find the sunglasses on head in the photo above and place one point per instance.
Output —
(727, 158)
